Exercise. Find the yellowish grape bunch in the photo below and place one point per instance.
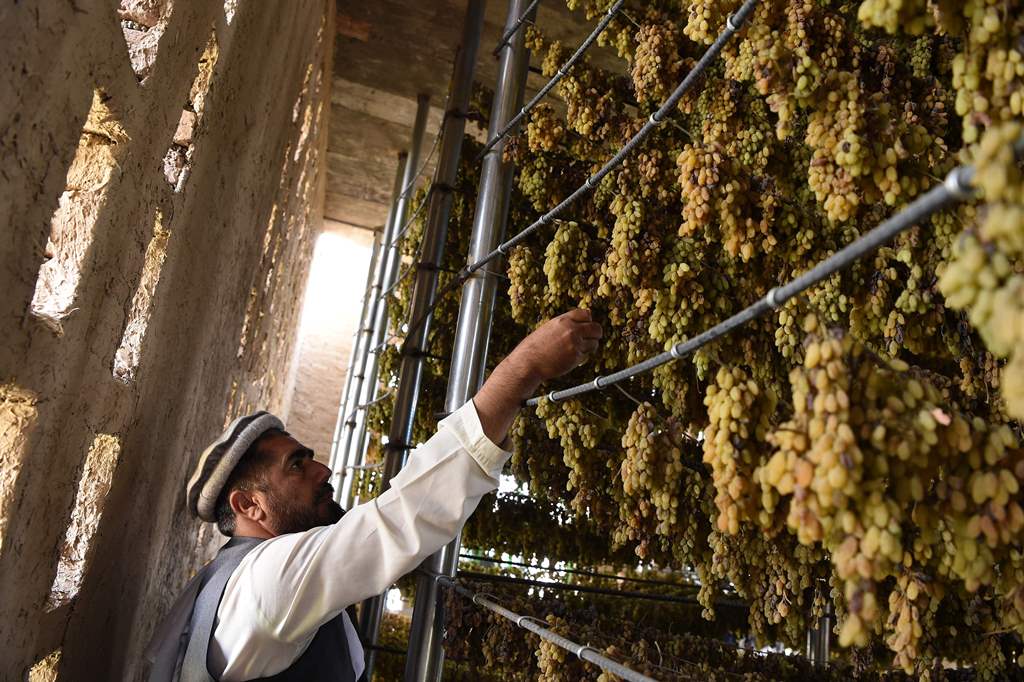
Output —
(735, 443)
(984, 275)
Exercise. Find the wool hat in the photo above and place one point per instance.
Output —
(219, 460)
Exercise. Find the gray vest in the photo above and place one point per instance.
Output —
(178, 651)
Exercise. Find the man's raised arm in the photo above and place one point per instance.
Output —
(289, 586)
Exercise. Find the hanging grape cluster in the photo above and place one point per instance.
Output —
(859, 451)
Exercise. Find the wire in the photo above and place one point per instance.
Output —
(733, 24)
(582, 651)
(955, 188)
(515, 27)
(563, 71)
(585, 589)
(577, 571)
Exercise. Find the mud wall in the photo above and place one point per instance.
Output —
(161, 190)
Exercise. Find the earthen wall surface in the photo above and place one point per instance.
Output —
(164, 340)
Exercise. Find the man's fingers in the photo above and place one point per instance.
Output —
(591, 330)
(579, 315)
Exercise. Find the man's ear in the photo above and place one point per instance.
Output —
(245, 504)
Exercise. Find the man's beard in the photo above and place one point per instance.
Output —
(293, 518)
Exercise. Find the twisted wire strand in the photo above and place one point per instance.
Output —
(563, 71)
(523, 18)
(733, 24)
(957, 187)
(582, 651)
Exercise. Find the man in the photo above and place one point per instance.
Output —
(272, 604)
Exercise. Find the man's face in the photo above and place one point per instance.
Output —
(298, 494)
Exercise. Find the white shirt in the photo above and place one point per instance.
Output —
(288, 586)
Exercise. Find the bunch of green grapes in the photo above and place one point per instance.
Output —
(984, 276)
(544, 131)
(657, 62)
(567, 267)
(739, 417)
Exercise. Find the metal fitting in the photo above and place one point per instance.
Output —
(957, 185)
(772, 299)
(551, 397)
(597, 384)
(675, 352)
(731, 23)
(585, 647)
(655, 120)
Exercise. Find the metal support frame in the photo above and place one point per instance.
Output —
(819, 639)
(390, 261)
(435, 233)
(347, 419)
(358, 351)
(426, 660)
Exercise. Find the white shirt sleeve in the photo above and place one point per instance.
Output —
(289, 586)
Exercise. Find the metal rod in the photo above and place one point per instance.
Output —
(587, 589)
(358, 350)
(732, 25)
(389, 270)
(955, 188)
(472, 333)
(347, 455)
(577, 571)
(435, 232)
(563, 71)
(582, 651)
(515, 27)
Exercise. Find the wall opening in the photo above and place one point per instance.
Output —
(17, 421)
(230, 7)
(93, 486)
(143, 23)
(126, 358)
(178, 159)
(72, 225)
(46, 669)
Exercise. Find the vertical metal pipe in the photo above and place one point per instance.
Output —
(346, 453)
(425, 285)
(358, 350)
(390, 260)
(819, 639)
(469, 357)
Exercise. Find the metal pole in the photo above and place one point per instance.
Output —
(389, 265)
(342, 494)
(469, 357)
(819, 639)
(345, 406)
(425, 285)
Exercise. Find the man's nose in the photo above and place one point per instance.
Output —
(323, 472)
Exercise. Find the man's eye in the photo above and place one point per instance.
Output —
(297, 464)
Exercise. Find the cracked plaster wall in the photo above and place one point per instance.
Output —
(221, 316)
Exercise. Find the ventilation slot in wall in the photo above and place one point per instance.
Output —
(126, 358)
(46, 669)
(71, 227)
(17, 420)
(230, 7)
(143, 23)
(93, 487)
(178, 160)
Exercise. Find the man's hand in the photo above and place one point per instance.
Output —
(554, 348)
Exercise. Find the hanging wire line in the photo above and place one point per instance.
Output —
(956, 188)
(586, 589)
(359, 408)
(577, 571)
(582, 651)
(563, 71)
(515, 27)
(733, 24)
